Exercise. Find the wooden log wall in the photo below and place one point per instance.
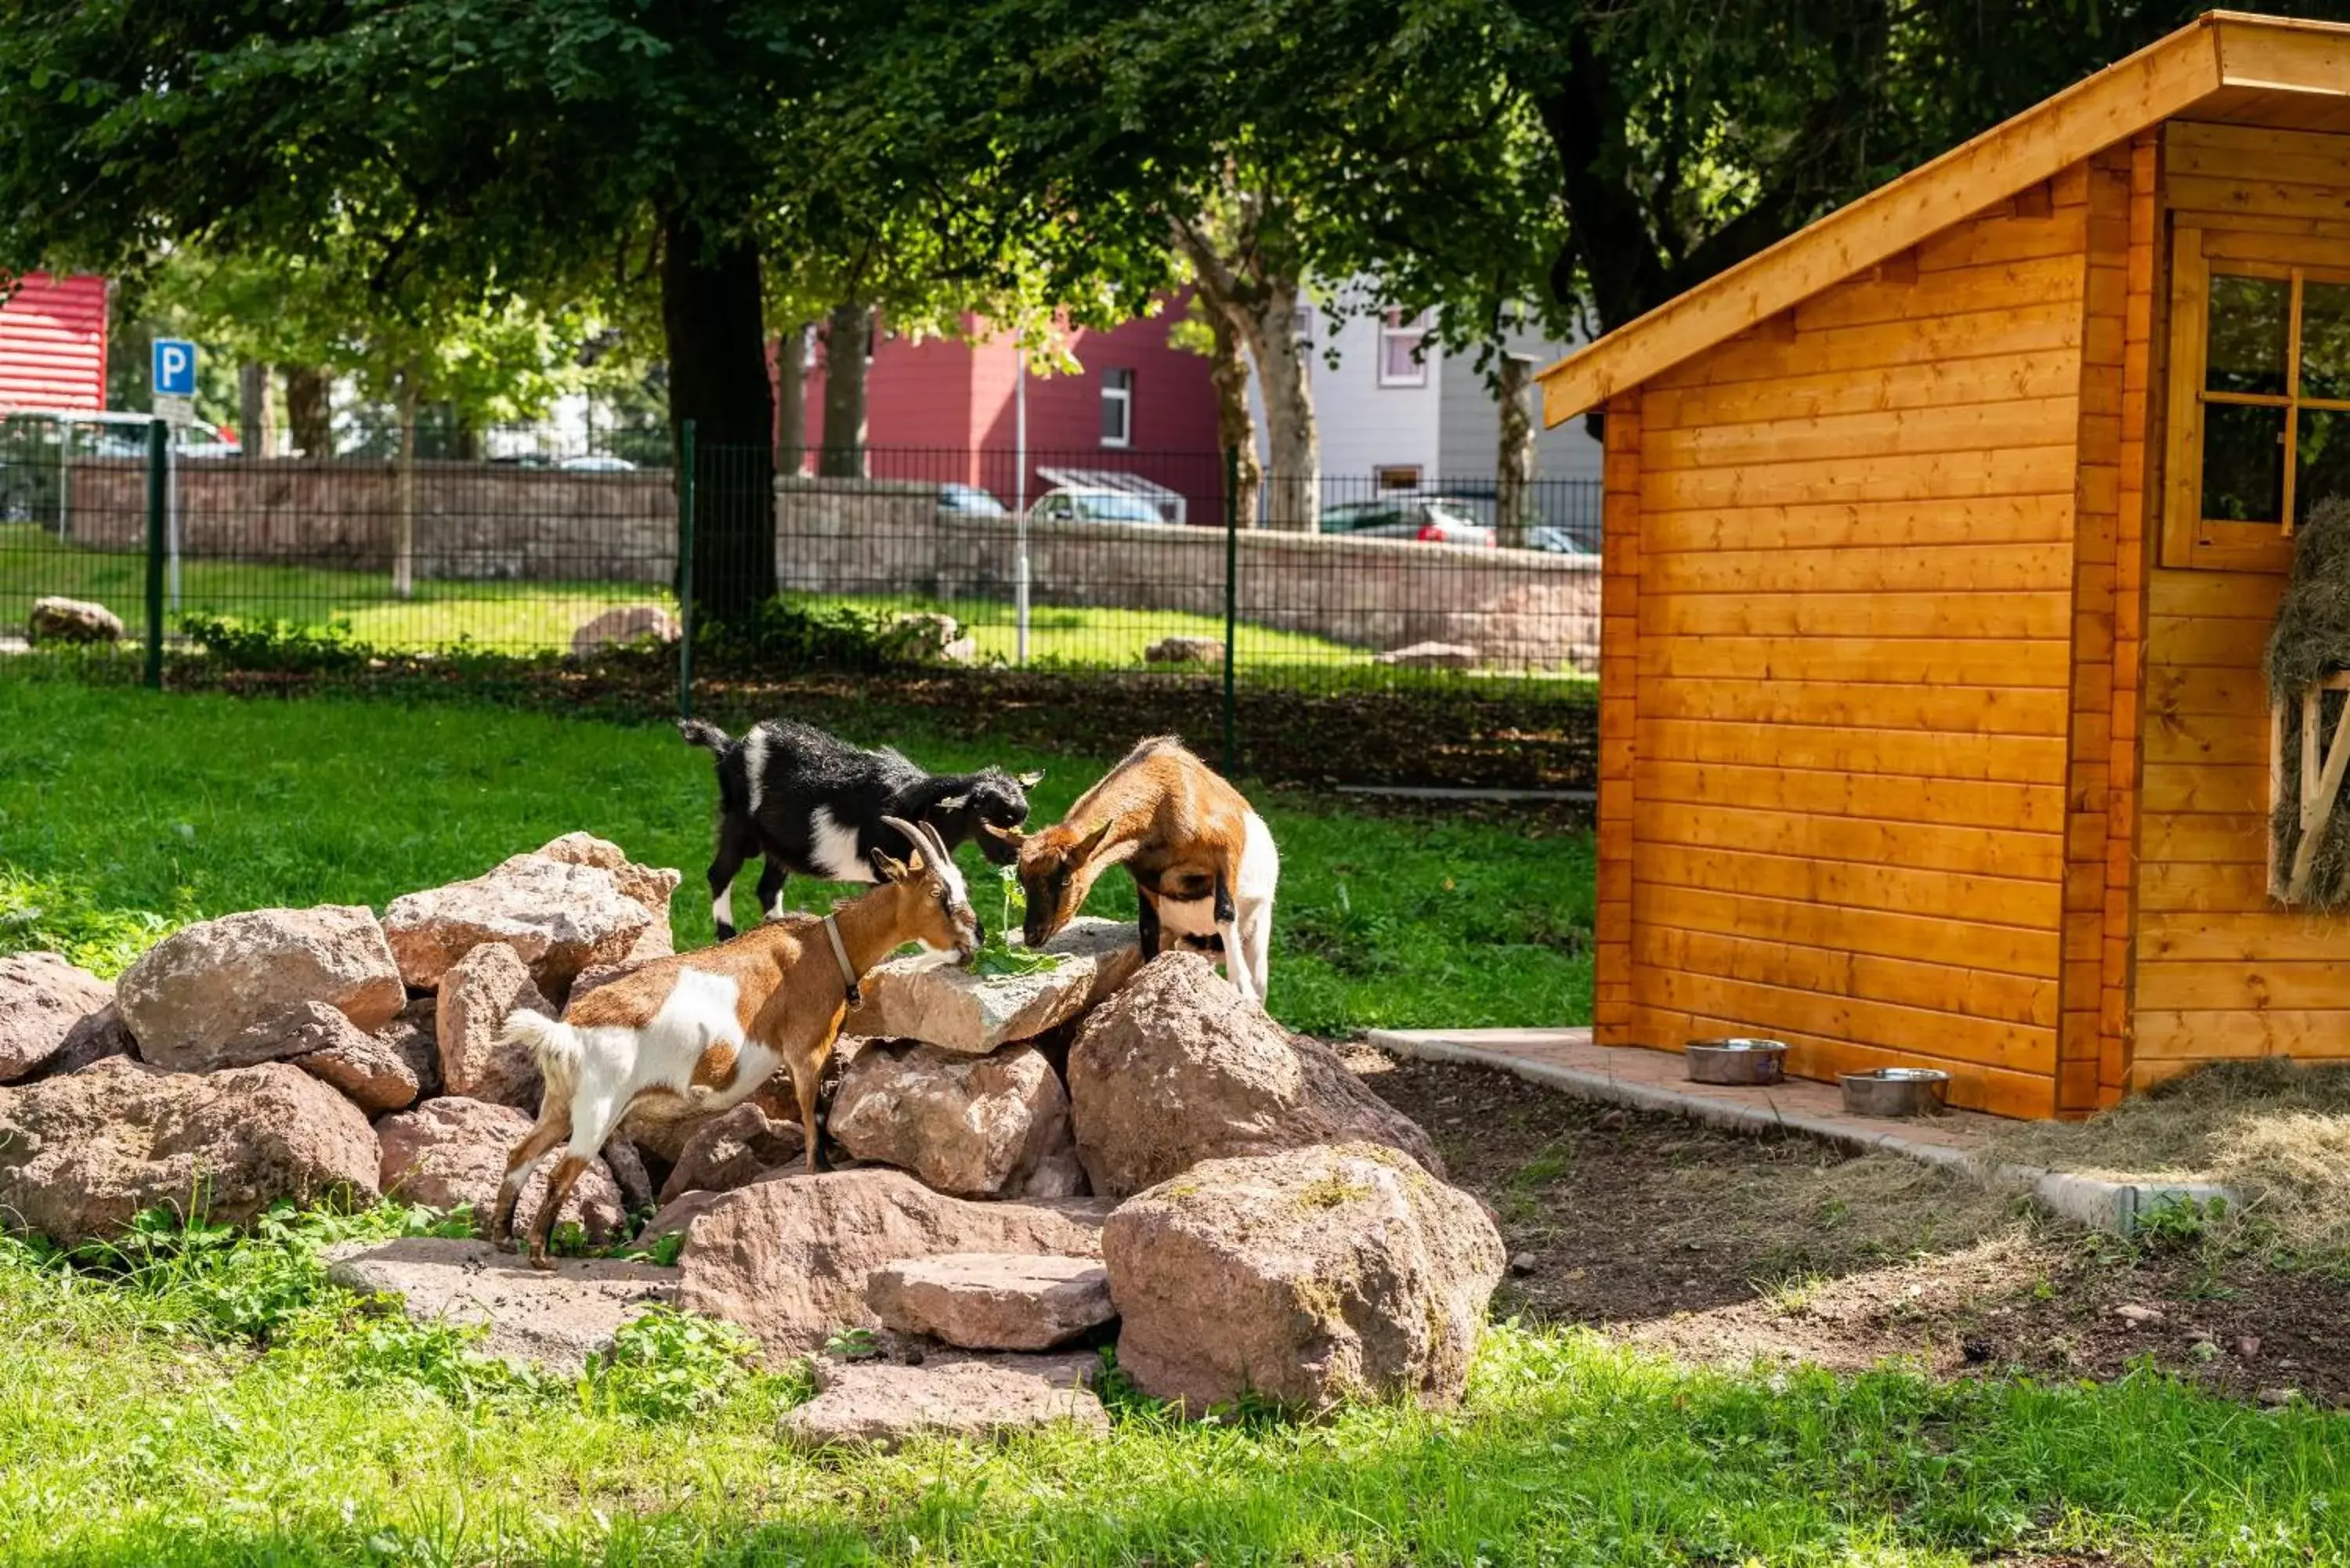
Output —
(1866, 806)
(2221, 972)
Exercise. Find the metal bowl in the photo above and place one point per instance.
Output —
(1745, 1064)
(1895, 1091)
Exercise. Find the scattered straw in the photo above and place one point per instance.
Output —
(2276, 1133)
(2312, 639)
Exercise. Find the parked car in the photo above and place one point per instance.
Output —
(598, 463)
(1071, 504)
(970, 500)
(1557, 541)
(1431, 519)
(202, 439)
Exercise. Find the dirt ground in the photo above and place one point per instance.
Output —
(1723, 1247)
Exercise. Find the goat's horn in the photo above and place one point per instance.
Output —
(1014, 836)
(938, 840)
(914, 839)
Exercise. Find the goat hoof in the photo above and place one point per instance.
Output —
(541, 1261)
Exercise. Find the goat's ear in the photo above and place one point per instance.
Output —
(1029, 779)
(952, 802)
(892, 869)
(1092, 841)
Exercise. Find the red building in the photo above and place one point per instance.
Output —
(947, 410)
(53, 343)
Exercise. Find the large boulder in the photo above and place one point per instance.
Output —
(993, 1301)
(648, 885)
(879, 1404)
(57, 619)
(942, 1004)
(42, 999)
(94, 1038)
(371, 1070)
(82, 1155)
(1301, 1278)
(558, 1318)
(559, 916)
(622, 625)
(477, 1060)
(219, 993)
(453, 1150)
(975, 1126)
(1178, 1068)
(787, 1258)
(733, 1150)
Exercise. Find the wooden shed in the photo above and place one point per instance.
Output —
(1942, 543)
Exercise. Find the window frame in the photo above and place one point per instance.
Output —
(2189, 538)
(1393, 327)
(1120, 392)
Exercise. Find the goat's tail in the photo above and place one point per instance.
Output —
(553, 1045)
(704, 733)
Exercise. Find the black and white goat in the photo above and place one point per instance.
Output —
(811, 802)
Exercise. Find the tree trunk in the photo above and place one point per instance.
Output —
(1513, 462)
(717, 343)
(1293, 476)
(1235, 421)
(309, 413)
(846, 337)
(252, 409)
(791, 399)
(403, 524)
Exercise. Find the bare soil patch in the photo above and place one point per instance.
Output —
(1723, 1247)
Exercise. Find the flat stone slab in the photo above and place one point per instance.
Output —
(558, 1319)
(1568, 1060)
(942, 1004)
(879, 1404)
(993, 1301)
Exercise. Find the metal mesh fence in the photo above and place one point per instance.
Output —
(1103, 560)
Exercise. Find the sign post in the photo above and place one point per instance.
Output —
(173, 373)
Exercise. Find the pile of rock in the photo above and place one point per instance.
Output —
(310, 1054)
(1046, 1161)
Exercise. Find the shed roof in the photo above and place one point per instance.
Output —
(2224, 66)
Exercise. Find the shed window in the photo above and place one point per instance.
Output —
(1402, 360)
(2259, 407)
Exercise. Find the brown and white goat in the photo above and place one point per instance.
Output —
(1202, 861)
(702, 1030)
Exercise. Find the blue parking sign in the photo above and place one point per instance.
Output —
(176, 368)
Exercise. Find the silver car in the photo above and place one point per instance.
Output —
(1431, 519)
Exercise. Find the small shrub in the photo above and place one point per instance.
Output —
(781, 635)
(667, 1365)
(42, 914)
(852, 1345)
(278, 645)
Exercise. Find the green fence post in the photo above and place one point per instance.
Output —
(1232, 602)
(159, 460)
(685, 570)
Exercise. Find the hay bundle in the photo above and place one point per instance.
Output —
(2312, 640)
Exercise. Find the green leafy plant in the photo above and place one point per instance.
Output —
(852, 1345)
(46, 913)
(667, 1365)
(278, 645)
(996, 954)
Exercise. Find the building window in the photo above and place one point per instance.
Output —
(1396, 477)
(1402, 362)
(2260, 415)
(1117, 408)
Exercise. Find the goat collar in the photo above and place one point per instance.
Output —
(840, 957)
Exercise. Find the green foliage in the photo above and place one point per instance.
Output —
(49, 914)
(784, 634)
(277, 645)
(669, 1365)
(996, 954)
(852, 1345)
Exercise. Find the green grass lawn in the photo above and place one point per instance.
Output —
(237, 1409)
(123, 812)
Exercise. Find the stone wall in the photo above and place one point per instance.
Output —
(1519, 608)
(494, 522)
(474, 521)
